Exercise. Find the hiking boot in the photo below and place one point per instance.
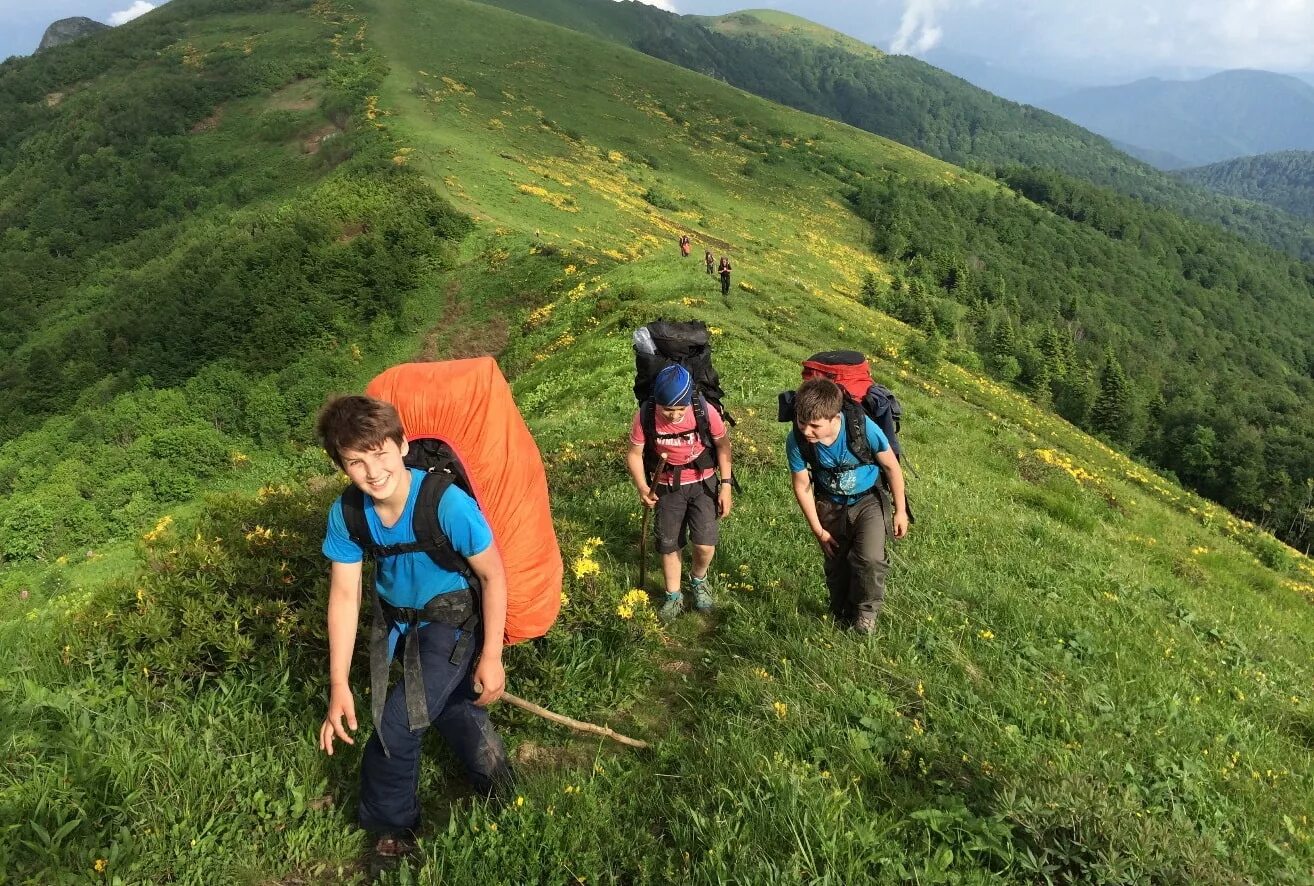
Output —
(703, 601)
(671, 609)
(389, 851)
(864, 623)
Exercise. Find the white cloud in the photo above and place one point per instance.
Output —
(660, 4)
(139, 7)
(918, 29)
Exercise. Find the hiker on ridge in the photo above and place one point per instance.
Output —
(688, 496)
(711, 262)
(842, 499)
(685, 245)
(724, 270)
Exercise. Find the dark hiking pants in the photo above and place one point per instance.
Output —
(725, 283)
(855, 575)
(389, 783)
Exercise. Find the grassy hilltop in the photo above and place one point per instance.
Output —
(1083, 674)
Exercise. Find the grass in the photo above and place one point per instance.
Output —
(1083, 674)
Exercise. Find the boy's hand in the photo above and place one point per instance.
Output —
(900, 524)
(648, 497)
(724, 501)
(341, 704)
(489, 680)
(829, 546)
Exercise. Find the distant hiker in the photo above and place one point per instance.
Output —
(685, 245)
(724, 270)
(711, 262)
(680, 428)
(837, 485)
(443, 564)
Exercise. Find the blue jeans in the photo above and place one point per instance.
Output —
(389, 782)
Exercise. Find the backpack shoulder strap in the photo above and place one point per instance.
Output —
(807, 449)
(353, 514)
(701, 423)
(855, 430)
(424, 521)
(648, 423)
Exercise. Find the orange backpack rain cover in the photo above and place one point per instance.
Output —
(468, 405)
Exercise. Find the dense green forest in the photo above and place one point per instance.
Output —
(911, 102)
(1284, 179)
(1194, 350)
(184, 262)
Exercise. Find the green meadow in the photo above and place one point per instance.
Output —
(1083, 674)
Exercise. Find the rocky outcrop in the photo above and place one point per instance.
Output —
(67, 30)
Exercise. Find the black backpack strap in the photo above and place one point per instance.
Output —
(648, 424)
(424, 522)
(808, 450)
(353, 514)
(855, 430)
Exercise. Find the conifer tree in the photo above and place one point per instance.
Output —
(1111, 414)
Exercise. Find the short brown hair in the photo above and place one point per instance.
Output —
(817, 398)
(360, 423)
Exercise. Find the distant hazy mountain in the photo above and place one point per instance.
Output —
(1157, 159)
(66, 30)
(1003, 81)
(1232, 114)
(1284, 179)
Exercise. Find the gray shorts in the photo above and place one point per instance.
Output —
(688, 512)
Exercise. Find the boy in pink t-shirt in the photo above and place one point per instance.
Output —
(688, 497)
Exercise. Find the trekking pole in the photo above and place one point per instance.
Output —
(643, 533)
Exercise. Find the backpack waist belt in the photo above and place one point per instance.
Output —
(459, 609)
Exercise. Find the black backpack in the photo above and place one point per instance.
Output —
(661, 344)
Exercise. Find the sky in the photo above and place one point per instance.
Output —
(1075, 40)
(22, 22)
(1070, 39)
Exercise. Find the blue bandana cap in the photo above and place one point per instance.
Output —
(673, 386)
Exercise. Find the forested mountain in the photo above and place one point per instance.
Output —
(184, 251)
(1284, 180)
(907, 100)
(217, 215)
(1227, 115)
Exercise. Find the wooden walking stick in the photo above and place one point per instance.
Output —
(643, 533)
(580, 725)
(543, 712)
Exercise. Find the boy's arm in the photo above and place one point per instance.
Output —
(634, 464)
(890, 465)
(807, 503)
(724, 497)
(489, 674)
(343, 615)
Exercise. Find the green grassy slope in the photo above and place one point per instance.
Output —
(1083, 673)
(774, 23)
(909, 101)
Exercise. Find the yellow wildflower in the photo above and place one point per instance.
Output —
(986, 635)
(781, 709)
(101, 865)
(585, 566)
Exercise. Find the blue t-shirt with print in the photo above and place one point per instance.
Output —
(851, 480)
(411, 580)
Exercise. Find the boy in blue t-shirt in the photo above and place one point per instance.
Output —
(365, 439)
(842, 500)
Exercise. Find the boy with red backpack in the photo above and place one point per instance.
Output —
(688, 437)
(841, 462)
